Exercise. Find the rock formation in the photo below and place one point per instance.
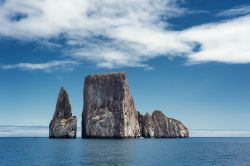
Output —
(109, 110)
(148, 127)
(160, 126)
(63, 124)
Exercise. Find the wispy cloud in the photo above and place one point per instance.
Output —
(236, 11)
(124, 33)
(49, 66)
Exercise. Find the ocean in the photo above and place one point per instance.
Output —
(125, 152)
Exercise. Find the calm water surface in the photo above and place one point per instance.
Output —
(191, 151)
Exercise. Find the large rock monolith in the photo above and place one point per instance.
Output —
(109, 110)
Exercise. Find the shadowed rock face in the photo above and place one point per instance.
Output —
(140, 120)
(63, 124)
(109, 110)
(160, 126)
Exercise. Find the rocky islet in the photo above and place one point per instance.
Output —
(109, 112)
(63, 124)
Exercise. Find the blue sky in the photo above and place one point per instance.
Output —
(190, 59)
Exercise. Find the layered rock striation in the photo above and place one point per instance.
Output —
(63, 124)
(109, 110)
(158, 125)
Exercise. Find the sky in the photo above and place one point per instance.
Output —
(187, 58)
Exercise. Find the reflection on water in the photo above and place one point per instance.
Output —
(192, 151)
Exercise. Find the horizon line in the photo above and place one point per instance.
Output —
(43, 131)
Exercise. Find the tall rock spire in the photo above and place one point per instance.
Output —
(63, 124)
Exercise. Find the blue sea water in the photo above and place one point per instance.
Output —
(182, 152)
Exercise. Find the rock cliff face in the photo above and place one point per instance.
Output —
(109, 110)
(160, 126)
(63, 124)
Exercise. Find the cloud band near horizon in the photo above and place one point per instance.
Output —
(43, 131)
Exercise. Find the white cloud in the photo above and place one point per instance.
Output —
(78, 18)
(124, 33)
(49, 66)
(226, 42)
(236, 11)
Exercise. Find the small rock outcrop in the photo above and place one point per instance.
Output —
(109, 110)
(160, 126)
(63, 124)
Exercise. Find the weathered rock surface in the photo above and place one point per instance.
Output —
(140, 120)
(109, 110)
(148, 127)
(160, 126)
(63, 124)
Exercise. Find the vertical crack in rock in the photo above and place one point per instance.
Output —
(63, 124)
(109, 110)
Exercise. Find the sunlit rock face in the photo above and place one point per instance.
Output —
(158, 125)
(63, 124)
(109, 110)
